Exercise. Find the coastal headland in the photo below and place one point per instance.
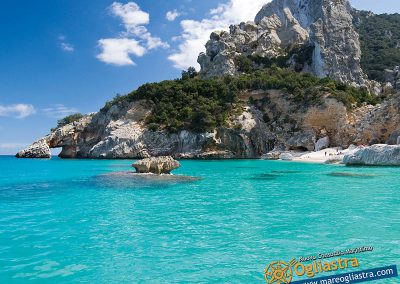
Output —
(292, 84)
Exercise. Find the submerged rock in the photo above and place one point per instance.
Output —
(39, 149)
(265, 177)
(133, 180)
(156, 165)
(376, 155)
(351, 175)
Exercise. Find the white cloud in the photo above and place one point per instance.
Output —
(135, 40)
(65, 46)
(59, 111)
(172, 15)
(131, 14)
(134, 20)
(116, 51)
(196, 33)
(17, 110)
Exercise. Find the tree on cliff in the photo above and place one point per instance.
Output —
(67, 120)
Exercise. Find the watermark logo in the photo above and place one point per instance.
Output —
(279, 272)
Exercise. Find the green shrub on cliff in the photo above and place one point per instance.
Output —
(67, 120)
(299, 57)
(189, 103)
(380, 42)
(201, 105)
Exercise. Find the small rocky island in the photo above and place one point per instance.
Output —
(156, 165)
(154, 171)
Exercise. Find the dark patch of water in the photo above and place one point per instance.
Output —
(133, 180)
(351, 175)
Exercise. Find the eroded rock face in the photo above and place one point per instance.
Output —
(322, 143)
(283, 25)
(156, 165)
(272, 122)
(394, 138)
(121, 133)
(304, 140)
(375, 155)
(392, 77)
(39, 149)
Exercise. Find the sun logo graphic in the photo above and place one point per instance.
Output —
(279, 272)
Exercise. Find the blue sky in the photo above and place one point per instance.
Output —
(63, 56)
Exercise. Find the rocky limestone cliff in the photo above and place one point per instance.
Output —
(121, 133)
(267, 121)
(39, 149)
(283, 25)
(271, 122)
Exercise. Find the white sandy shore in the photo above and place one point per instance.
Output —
(323, 156)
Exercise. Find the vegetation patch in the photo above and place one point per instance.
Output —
(67, 120)
(200, 105)
(380, 42)
(296, 58)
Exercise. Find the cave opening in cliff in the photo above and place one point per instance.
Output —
(299, 148)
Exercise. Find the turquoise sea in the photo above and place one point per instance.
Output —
(70, 221)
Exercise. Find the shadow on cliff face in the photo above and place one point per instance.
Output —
(132, 180)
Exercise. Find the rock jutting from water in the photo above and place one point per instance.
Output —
(156, 165)
(39, 149)
(375, 155)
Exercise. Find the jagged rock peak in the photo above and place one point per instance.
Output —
(283, 25)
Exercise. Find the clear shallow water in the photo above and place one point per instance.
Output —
(67, 221)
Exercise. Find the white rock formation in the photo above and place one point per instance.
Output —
(322, 143)
(283, 25)
(156, 165)
(286, 157)
(39, 149)
(375, 155)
